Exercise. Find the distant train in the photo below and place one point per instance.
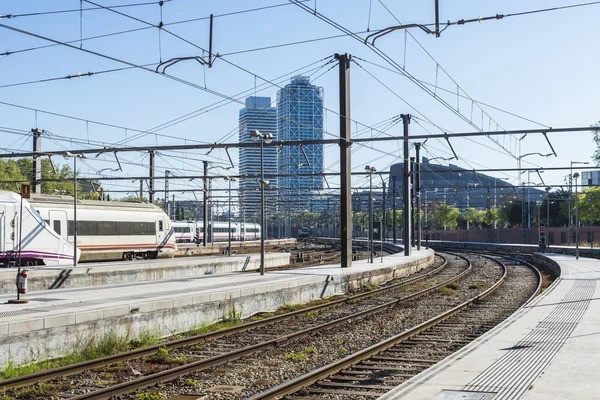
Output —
(192, 231)
(106, 230)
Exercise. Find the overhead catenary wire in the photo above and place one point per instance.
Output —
(41, 13)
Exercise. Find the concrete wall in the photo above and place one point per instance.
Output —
(38, 339)
(191, 249)
(98, 274)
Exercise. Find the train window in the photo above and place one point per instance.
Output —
(124, 228)
(47, 221)
(107, 228)
(57, 227)
(160, 225)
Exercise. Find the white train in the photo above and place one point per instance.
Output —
(106, 230)
(191, 231)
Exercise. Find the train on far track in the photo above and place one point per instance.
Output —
(106, 230)
(218, 231)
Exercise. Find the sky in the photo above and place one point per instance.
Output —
(541, 67)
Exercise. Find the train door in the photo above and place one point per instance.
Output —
(58, 222)
(9, 228)
(160, 231)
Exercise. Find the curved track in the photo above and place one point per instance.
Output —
(373, 371)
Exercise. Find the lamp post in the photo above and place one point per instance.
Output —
(571, 192)
(66, 156)
(370, 171)
(229, 179)
(383, 226)
(548, 207)
(576, 175)
(264, 137)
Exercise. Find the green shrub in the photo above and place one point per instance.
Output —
(453, 285)
(150, 396)
(478, 284)
(296, 357)
(446, 290)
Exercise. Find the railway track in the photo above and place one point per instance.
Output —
(264, 334)
(224, 347)
(43, 376)
(373, 371)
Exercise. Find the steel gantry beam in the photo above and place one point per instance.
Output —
(299, 142)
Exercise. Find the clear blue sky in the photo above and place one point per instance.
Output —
(542, 67)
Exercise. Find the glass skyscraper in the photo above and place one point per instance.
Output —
(300, 117)
(258, 114)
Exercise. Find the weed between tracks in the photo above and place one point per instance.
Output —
(111, 344)
(150, 396)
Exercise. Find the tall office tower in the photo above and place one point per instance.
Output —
(300, 117)
(258, 114)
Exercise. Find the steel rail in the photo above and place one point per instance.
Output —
(308, 379)
(174, 373)
(42, 376)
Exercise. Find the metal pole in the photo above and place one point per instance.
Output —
(229, 248)
(36, 174)
(548, 211)
(345, 162)
(20, 244)
(141, 189)
(413, 200)
(168, 203)
(569, 203)
(394, 233)
(205, 205)
(576, 222)
(384, 219)
(407, 209)
(371, 216)
(418, 194)
(528, 198)
(467, 209)
(151, 180)
(262, 210)
(75, 210)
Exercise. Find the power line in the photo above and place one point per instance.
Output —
(79, 10)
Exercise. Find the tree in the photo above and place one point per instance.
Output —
(473, 216)
(589, 205)
(20, 170)
(491, 215)
(445, 216)
(511, 214)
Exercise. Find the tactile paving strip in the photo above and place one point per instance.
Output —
(16, 313)
(512, 374)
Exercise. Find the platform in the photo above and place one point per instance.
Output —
(115, 272)
(56, 322)
(548, 349)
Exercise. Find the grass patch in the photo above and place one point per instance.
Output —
(296, 357)
(311, 350)
(217, 326)
(453, 285)
(150, 396)
(312, 314)
(111, 344)
(368, 287)
(162, 356)
(39, 391)
(191, 382)
(478, 285)
(446, 290)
